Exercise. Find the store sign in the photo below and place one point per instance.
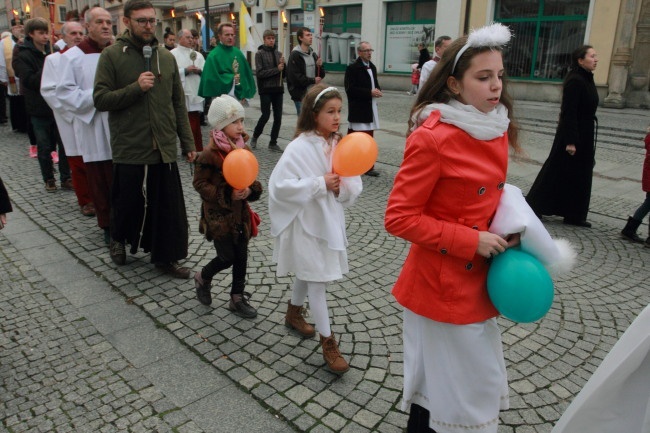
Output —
(402, 46)
(308, 5)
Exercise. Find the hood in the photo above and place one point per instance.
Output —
(127, 38)
(308, 54)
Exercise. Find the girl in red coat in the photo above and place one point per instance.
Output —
(444, 198)
(633, 222)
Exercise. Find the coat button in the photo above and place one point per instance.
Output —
(475, 227)
(501, 185)
(481, 190)
(469, 266)
(443, 251)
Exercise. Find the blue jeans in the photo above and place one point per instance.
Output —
(267, 100)
(298, 106)
(644, 209)
(47, 138)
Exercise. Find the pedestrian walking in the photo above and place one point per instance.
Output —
(306, 203)
(304, 69)
(445, 193)
(440, 45)
(147, 117)
(633, 222)
(415, 80)
(5, 204)
(269, 64)
(563, 185)
(424, 55)
(363, 90)
(226, 217)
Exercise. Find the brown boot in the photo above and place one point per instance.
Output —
(295, 319)
(332, 355)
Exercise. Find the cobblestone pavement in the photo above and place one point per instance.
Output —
(548, 361)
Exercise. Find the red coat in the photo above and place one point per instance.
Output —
(645, 182)
(446, 190)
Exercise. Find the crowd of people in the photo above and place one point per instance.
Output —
(117, 110)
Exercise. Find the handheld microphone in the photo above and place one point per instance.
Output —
(146, 52)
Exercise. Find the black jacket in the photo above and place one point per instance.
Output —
(28, 66)
(5, 204)
(297, 80)
(267, 72)
(358, 87)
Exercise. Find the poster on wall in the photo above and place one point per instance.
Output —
(402, 45)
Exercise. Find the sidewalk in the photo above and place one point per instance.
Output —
(86, 346)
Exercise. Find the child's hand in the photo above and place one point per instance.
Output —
(240, 194)
(332, 182)
(490, 245)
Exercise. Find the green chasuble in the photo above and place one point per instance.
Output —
(218, 75)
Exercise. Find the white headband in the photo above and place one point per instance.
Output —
(494, 35)
(322, 92)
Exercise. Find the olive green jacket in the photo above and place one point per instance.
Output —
(144, 126)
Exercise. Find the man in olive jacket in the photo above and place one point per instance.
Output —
(147, 114)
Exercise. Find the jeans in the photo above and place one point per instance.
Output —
(267, 100)
(230, 252)
(47, 138)
(644, 209)
(298, 106)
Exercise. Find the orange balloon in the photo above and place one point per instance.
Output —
(355, 154)
(240, 168)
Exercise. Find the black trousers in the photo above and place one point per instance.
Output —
(418, 420)
(230, 252)
(268, 100)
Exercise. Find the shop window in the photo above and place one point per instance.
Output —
(341, 36)
(408, 24)
(546, 33)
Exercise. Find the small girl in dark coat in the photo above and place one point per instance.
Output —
(225, 215)
(635, 220)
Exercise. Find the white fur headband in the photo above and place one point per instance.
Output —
(494, 35)
(324, 91)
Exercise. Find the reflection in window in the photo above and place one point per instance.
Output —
(546, 33)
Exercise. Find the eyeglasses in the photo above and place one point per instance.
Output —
(366, 51)
(144, 21)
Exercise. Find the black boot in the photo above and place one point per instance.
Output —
(629, 231)
(418, 421)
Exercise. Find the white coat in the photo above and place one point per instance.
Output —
(75, 92)
(191, 82)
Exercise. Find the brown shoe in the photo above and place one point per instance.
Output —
(175, 270)
(50, 185)
(332, 355)
(67, 185)
(88, 210)
(295, 319)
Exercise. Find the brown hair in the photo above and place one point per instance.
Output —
(309, 110)
(435, 89)
(222, 25)
(136, 5)
(36, 23)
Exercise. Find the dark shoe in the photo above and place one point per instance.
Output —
(295, 319)
(253, 143)
(202, 289)
(67, 185)
(107, 236)
(372, 172)
(275, 148)
(332, 355)
(577, 223)
(239, 305)
(118, 253)
(174, 269)
(88, 210)
(629, 231)
(50, 185)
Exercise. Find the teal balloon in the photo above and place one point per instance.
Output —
(520, 287)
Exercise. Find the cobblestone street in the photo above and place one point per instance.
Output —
(86, 346)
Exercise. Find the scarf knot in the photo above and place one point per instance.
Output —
(222, 142)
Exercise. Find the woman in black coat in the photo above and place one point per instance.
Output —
(563, 185)
(5, 204)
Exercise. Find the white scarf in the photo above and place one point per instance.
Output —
(479, 125)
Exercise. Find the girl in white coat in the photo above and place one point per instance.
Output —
(306, 201)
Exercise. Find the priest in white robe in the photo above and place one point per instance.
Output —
(190, 64)
(75, 93)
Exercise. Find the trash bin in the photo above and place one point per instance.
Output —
(331, 48)
(345, 44)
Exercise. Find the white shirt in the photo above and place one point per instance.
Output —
(426, 71)
(190, 82)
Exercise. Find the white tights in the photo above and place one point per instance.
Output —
(317, 302)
